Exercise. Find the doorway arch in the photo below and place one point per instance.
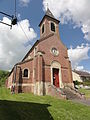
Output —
(56, 66)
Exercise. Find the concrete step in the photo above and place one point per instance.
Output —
(70, 94)
(54, 91)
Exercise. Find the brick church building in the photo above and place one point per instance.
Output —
(46, 67)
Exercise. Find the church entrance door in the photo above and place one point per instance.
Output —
(56, 77)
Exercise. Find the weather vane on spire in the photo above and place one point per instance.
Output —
(47, 6)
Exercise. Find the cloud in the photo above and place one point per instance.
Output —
(81, 68)
(78, 54)
(86, 30)
(24, 2)
(12, 42)
(76, 12)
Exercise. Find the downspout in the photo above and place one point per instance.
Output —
(15, 73)
(34, 71)
(13, 85)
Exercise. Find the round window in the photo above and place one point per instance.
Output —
(54, 51)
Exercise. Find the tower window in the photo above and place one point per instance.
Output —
(25, 73)
(52, 27)
(43, 29)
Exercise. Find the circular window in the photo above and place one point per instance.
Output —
(54, 51)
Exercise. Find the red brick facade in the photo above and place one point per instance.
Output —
(47, 54)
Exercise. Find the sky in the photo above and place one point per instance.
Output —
(74, 29)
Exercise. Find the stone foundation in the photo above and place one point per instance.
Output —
(68, 85)
(41, 88)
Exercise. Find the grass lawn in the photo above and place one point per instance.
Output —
(31, 107)
(86, 91)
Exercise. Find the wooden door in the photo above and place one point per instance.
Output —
(56, 77)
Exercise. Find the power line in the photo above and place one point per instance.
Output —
(24, 33)
(14, 21)
(13, 17)
(15, 7)
(23, 30)
(5, 23)
(6, 14)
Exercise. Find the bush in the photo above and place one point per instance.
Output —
(77, 83)
(3, 77)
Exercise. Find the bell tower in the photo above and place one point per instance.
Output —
(49, 24)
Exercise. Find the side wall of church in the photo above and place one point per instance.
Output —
(9, 81)
(27, 82)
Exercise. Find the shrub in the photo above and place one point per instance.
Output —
(3, 76)
(77, 83)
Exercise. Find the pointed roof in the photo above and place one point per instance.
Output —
(50, 15)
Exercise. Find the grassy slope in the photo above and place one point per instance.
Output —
(30, 107)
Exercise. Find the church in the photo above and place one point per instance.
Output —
(46, 67)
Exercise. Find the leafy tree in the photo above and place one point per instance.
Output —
(3, 77)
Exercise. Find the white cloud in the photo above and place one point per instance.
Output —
(12, 42)
(69, 10)
(24, 2)
(78, 54)
(81, 68)
(86, 30)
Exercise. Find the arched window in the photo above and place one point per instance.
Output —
(25, 73)
(52, 27)
(43, 29)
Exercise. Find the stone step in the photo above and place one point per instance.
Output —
(65, 93)
(54, 91)
(70, 94)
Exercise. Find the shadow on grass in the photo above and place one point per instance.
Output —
(13, 110)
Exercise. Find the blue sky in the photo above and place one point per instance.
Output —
(74, 29)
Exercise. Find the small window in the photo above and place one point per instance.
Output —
(25, 73)
(54, 51)
(53, 27)
(43, 29)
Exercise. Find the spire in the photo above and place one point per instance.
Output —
(50, 15)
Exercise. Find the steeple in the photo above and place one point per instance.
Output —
(49, 24)
(49, 14)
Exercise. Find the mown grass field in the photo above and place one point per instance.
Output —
(31, 107)
(86, 91)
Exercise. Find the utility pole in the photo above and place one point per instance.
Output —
(13, 17)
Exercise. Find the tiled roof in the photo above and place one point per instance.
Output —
(82, 73)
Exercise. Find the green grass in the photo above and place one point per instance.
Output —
(86, 91)
(31, 107)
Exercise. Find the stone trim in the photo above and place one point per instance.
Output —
(28, 73)
(64, 67)
(68, 85)
(57, 65)
(23, 84)
(24, 61)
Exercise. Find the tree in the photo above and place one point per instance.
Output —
(3, 77)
